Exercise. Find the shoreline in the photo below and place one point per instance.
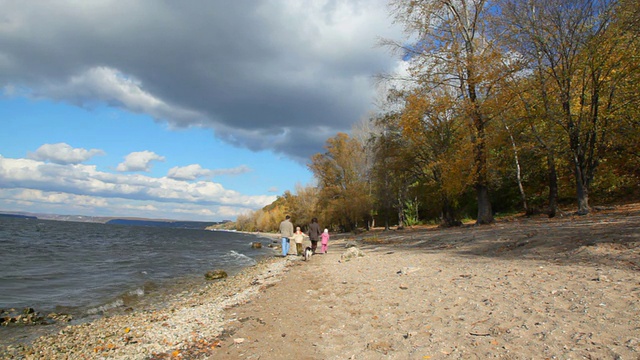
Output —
(144, 297)
(195, 313)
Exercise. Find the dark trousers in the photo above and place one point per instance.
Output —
(314, 245)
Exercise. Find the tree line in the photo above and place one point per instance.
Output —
(502, 106)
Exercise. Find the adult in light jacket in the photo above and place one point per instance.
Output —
(286, 232)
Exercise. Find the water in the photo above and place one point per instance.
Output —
(88, 268)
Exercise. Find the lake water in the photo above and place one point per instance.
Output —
(86, 269)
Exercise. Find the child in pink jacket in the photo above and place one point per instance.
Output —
(324, 239)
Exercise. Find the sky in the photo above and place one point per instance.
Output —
(185, 110)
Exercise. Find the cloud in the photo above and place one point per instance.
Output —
(51, 182)
(106, 85)
(265, 75)
(31, 195)
(195, 171)
(139, 161)
(70, 204)
(62, 153)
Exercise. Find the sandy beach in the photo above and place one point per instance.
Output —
(523, 288)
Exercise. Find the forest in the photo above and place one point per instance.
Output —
(501, 107)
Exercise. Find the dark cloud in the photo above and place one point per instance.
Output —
(263, 75)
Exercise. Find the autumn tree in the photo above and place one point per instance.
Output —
(529, 109)
(582, 55)
(431, 123)
(453, 49)
(392, 166)
(341, 174)
(302, 205)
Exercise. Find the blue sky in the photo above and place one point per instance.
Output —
(198, 110)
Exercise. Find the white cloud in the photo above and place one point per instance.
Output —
(139, 161)
(189, 172)
(30, 200)
(238, 170)
(39, 196)
(86, 180)
(195, 171)
(62, 153)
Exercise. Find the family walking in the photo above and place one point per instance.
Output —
(314, 233)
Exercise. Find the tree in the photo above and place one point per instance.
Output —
(363, 131)
(392, 168)
(432, 127)
(577, 45)
(302, 206)
(341, 176)
(531, 106)
(454, 49)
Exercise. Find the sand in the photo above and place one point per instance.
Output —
(523, 288)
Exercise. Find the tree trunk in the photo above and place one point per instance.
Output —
(485, 215)
(582, 192)
(579, 170)
(523, 195)
(553, 184)
(400, 208)
(400, 219)
(449, 217)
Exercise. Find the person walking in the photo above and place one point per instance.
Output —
(314, 234)
(325, 241)
(286, 232)
(298, 237)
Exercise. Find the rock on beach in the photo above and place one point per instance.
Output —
(351, 253)
(215, 274)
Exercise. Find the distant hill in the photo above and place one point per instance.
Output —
(162, 223)
(18, 216)
(201, 225)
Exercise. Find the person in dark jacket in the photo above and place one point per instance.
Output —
(314, 234)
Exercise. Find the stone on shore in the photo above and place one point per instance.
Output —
(28, 316)
(350, 244)
(215, 274)
(352, 252)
